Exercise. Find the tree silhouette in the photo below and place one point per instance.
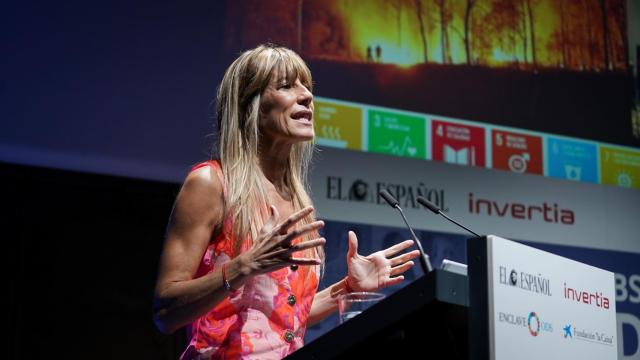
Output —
(445, 17)
(617, 16)
(423, 31)
(605, 34)
(530, 5)
(467, 20)
(564, 31)
(522, 28)
(505, 19)
(588, 11)
(484, 32)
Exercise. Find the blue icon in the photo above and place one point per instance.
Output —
(572, 160)
(567, 331)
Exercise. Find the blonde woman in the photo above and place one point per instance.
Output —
(242, 256)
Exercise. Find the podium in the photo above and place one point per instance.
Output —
(430, 310)
(514, 299)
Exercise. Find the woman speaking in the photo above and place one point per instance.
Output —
(242, 255)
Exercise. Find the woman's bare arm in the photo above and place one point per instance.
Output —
(197, 214)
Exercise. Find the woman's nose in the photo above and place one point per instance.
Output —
(305, 96)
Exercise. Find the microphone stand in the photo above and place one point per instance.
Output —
(424, 259)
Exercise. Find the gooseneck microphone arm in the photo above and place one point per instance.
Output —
(436, 210)
(424, 258)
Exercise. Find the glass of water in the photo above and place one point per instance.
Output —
(352, 304)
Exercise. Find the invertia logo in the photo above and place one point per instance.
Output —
(596, 298)
(550, 213)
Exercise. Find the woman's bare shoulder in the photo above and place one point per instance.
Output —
(202, 195)
(204, 179)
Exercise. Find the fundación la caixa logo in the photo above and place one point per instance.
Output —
(571, 332)
(524, 281)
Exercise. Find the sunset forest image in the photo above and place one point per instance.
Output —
(528, 34)
(571, 34)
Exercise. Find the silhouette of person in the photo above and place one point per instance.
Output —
(369, 54)
(378, 53)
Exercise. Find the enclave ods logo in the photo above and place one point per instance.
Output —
(531, 322)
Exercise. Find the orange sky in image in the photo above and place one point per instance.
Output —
(498, 33)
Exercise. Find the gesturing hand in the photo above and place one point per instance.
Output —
(380, 269)
(273, 249)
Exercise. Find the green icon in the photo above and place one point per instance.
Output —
(397, 134)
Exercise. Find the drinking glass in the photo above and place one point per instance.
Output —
(352, 304)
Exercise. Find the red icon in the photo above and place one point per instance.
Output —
(516, 152)
(458, 144)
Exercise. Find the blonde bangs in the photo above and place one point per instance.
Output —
(289, 66)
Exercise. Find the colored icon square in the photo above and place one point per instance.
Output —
(397, 134)
(458, 144)
(572, 160)
(620, 167)
(516, 152)
(337, 125)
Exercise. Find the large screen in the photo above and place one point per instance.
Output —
(532, 86)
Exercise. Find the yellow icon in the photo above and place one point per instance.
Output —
(338, 125)
(620, 167)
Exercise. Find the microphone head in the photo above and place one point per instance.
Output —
(388, 198)
(428, 204)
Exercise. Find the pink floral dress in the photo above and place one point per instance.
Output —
(265, 319)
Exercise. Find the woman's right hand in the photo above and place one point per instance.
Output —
(274, 248)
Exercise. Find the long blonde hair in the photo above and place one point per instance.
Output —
(238, 110)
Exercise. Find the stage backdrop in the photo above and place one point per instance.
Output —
(520, 118)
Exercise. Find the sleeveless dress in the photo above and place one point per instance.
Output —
(264, 319)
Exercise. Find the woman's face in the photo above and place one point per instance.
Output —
(286, 111)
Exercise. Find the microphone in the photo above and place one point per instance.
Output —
(436, 210)
(424, 258)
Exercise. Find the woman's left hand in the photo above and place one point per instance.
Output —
(380, 269)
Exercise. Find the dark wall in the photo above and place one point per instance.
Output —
(82, 252)
(123, 82)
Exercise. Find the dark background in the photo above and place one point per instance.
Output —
(132, 82)
(82, 253)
